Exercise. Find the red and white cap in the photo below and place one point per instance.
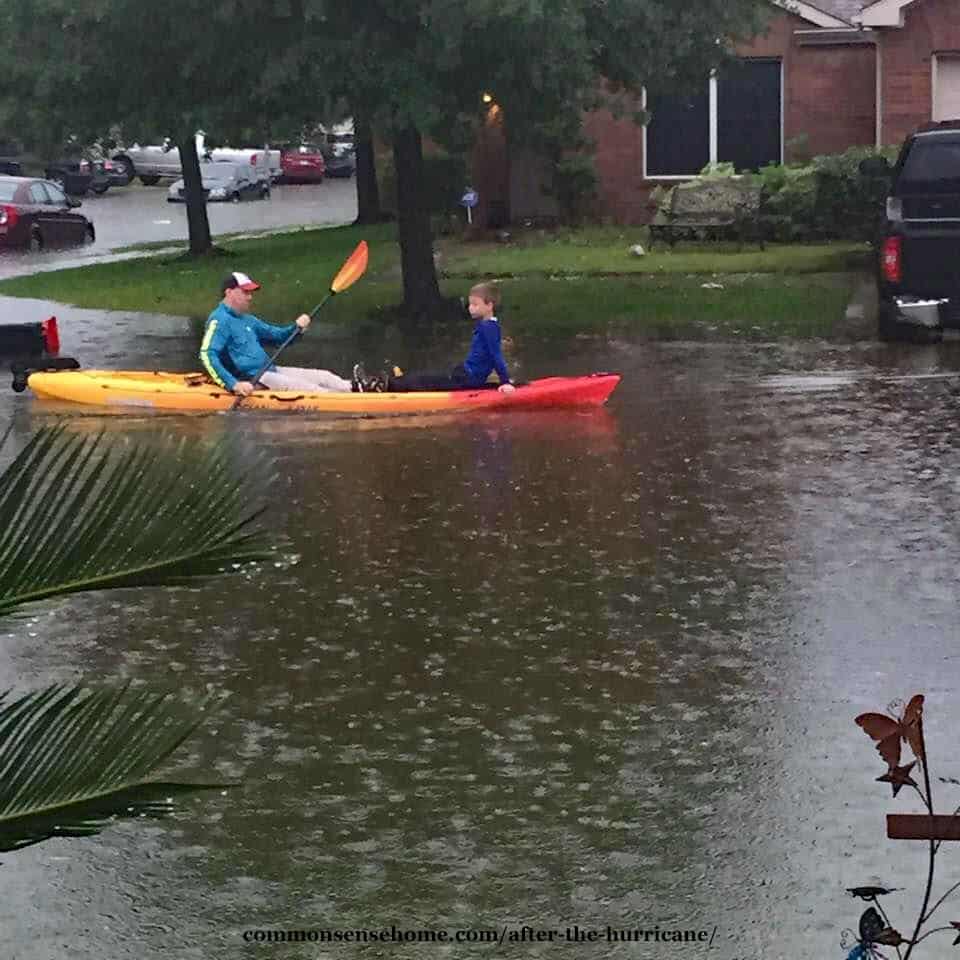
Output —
(242, 281)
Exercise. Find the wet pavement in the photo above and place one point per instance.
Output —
(124, 216)
(548, 669)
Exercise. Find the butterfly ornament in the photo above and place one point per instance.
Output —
(890, 732)
(873, 932)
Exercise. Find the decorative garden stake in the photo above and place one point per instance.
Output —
(890, 733)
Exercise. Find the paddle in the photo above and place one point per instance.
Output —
(351, 271)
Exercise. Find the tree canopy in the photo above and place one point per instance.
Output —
(408, 67)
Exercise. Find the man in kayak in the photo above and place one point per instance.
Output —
(484, 357)
(232, 351)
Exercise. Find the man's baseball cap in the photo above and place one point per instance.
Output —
(240, 280)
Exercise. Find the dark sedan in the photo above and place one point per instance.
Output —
(37, 214)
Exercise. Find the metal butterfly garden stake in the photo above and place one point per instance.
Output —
(891, 733)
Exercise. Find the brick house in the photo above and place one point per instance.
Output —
(918, 62)
(826, 75)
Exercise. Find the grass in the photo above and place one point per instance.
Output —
(561, 284)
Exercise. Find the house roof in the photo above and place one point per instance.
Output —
(844, 10)
(825, 13)
(883, 13)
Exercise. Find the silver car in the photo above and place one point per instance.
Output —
(224, 181)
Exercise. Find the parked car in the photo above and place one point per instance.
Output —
(918, 266)
(76, 175)
(37, 214)
(224, 181)
(150, 163)
(340, 164)
(117, 174)
(265, 163)
(302, 163)
(153, 162)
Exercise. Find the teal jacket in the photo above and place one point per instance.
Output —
(231, 348)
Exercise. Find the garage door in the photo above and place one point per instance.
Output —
(946, 91)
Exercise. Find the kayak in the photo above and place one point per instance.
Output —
(193, 391)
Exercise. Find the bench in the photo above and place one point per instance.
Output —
(709, 209)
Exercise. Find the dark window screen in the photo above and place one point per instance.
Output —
(678, 135)
(748, 114)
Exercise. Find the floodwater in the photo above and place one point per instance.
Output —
(563, 671)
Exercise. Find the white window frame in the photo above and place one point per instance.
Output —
(934, 67)
(714, 121)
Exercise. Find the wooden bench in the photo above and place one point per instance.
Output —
(709, 210)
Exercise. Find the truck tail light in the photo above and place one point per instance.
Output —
(892, 259)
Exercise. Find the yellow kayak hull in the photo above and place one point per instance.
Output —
(193, 392)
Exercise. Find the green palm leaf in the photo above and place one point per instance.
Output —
(79, 513)
(72, 759)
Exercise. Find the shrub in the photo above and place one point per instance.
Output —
(574, 188)
(827, 198)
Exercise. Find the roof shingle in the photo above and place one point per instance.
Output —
(844, 9)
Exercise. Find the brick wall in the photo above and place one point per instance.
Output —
(930, 26)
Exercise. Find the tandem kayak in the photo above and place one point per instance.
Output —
(193, 391)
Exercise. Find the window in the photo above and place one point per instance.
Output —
(38, 194)
(932, 166)
(737, 119)
(678, 136)
(946, 86)
(57, 197)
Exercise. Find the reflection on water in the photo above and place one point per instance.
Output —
(532, 669)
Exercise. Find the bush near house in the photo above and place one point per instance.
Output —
(826, 198)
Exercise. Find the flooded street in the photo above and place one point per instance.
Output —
(125, 216)
(547, 669)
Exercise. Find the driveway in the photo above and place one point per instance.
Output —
(136, 214)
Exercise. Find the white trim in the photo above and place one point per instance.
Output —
(933, 86)
(879, 96)
(783, 113)
(884, 13)
(713, 116)
(811, 13)
(935, 59)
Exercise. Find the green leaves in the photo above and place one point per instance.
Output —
(78, 513)
(73, 759)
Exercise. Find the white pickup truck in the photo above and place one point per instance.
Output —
(153, 162)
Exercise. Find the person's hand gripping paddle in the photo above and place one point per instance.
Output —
(352, 270)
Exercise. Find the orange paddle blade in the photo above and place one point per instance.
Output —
(352, 270)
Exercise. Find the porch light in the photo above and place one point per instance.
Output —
(487, 98)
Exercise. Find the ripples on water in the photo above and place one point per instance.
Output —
(544, 669)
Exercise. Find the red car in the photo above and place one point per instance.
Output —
(37, 214)
(302, 164)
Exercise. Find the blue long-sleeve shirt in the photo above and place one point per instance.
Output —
(485, 353)
(231, 348)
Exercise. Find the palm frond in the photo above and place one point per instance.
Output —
(84, 513)
(72, 759)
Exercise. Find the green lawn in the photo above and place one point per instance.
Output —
(573, 282)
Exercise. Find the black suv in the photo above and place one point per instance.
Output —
(919, 250)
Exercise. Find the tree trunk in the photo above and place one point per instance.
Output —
(197, 221)
(368, 192)
(421, 292)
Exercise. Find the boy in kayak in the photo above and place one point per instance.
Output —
(232, 351)
(484, 357)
